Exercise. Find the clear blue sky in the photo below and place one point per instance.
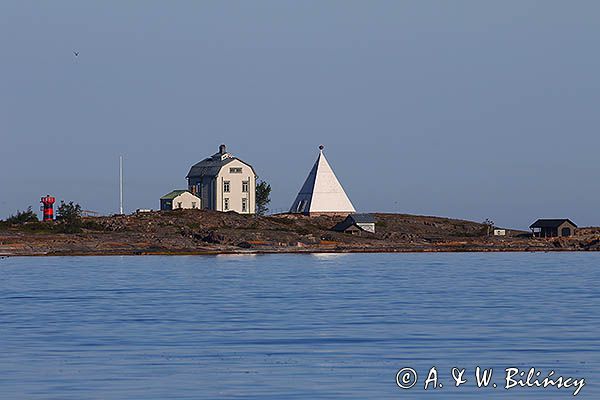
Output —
(467, 109)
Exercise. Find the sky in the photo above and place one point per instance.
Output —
(465, 109)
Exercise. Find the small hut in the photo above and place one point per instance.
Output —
(178, 200)
(356, 223)
(553, 228)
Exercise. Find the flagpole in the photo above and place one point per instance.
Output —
(121, 185)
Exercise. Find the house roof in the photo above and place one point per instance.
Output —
(344, 225)
(212, 165)
(352, 220)
(173, 194)
(551, 223)
(208, 167)
(321, 192)
(363, 218)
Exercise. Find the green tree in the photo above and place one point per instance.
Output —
(22, 217)
(69, 214)
(489, 225)
(263, 197)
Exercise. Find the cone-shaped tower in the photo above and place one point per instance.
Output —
(322, 193)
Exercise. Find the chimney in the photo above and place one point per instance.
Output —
(222, 149)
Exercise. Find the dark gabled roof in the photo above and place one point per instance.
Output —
(352, 220)
(363, 218)
(347, 227)
(209, 166)
(173, 194)
(551, 223)
(345, 224)
(212, 165)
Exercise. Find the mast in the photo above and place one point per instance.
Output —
(121, 185)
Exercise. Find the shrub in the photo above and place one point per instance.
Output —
(263, 197)
(69, 215)
(22, 217)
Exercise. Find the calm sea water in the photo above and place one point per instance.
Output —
(294, 326)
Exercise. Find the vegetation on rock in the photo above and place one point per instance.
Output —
(489, 226)
(69, 215)
(263, 197)
(22, 217)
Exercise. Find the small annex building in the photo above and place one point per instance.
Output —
(356, 223)
(180, 199)
(553, 228)
(322, 193)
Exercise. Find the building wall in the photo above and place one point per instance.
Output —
(369, 227)
(353, 229)
(235, 194)
(204, 189)
(555, 232)
(187, 200)
(566, 224)
(166, 204)
(212, 191)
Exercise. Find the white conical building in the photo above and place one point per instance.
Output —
(322, 192)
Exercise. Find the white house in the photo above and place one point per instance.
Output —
(322, 193)
(180, 199)
(224, 183)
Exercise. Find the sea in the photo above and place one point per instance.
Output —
(301, 326)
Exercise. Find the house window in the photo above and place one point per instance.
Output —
(226, 203)
(199, 189)
(193, 204)
(244, 205)
(245, 186)
(178, 204)
(235, 170)
(226, 186)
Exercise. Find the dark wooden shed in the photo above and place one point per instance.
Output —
(553, 228)
(356, 223)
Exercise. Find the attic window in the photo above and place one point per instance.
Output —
(235, 170)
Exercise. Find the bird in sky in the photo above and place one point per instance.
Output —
(76, 53)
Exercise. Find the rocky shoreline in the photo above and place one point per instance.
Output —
(194, 232)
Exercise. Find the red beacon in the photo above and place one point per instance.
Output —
(47, 207)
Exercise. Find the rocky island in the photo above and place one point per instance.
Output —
(212, 232)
